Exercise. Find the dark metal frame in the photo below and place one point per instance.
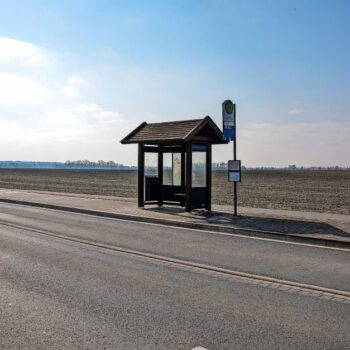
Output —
(186, 191)
(149, 139)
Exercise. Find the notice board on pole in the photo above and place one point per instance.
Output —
(234, 170)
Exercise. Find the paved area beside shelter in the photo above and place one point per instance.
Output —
(324, 226)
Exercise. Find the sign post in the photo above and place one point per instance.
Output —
(229, 131)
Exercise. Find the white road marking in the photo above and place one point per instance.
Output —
(215, 232)
(199, 348)
(197, 230)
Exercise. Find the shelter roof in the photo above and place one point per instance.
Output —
(204, 130)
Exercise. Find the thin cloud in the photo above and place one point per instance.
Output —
(108, 114)
(295, 111)
(24, 53)
(96, 110)
(280, 144)
(70, 91)
(75, 80)
(15, 90)
(73, 83)
(87, 108)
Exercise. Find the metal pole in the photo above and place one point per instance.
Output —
(234, 158)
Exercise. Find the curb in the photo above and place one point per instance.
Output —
(199, 226)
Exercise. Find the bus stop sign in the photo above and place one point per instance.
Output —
(228, 120)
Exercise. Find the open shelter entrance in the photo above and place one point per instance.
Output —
(174, 162)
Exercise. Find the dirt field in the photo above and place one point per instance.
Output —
(324, 191)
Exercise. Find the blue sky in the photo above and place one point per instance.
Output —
(75, 76)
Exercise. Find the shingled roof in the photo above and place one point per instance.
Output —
(177, 131)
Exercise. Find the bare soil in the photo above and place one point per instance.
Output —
(309, 190)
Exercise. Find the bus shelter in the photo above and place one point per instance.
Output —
(174, 162)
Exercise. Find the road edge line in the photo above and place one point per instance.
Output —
(295, 238)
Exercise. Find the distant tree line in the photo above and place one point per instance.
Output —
(78, 164)
(101, 164)
(223, 166)
(295, 167)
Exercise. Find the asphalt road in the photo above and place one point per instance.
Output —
(60, 294)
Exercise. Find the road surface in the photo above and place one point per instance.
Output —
(72, 281)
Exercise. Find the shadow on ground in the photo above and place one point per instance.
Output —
(283, 226)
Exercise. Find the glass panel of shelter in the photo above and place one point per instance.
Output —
(199, 166)
(176, 163)
(172, 169)
(172, 188)
(199, 175)
(151, 177)
(167, 169)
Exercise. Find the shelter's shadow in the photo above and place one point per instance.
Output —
(285, 226)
